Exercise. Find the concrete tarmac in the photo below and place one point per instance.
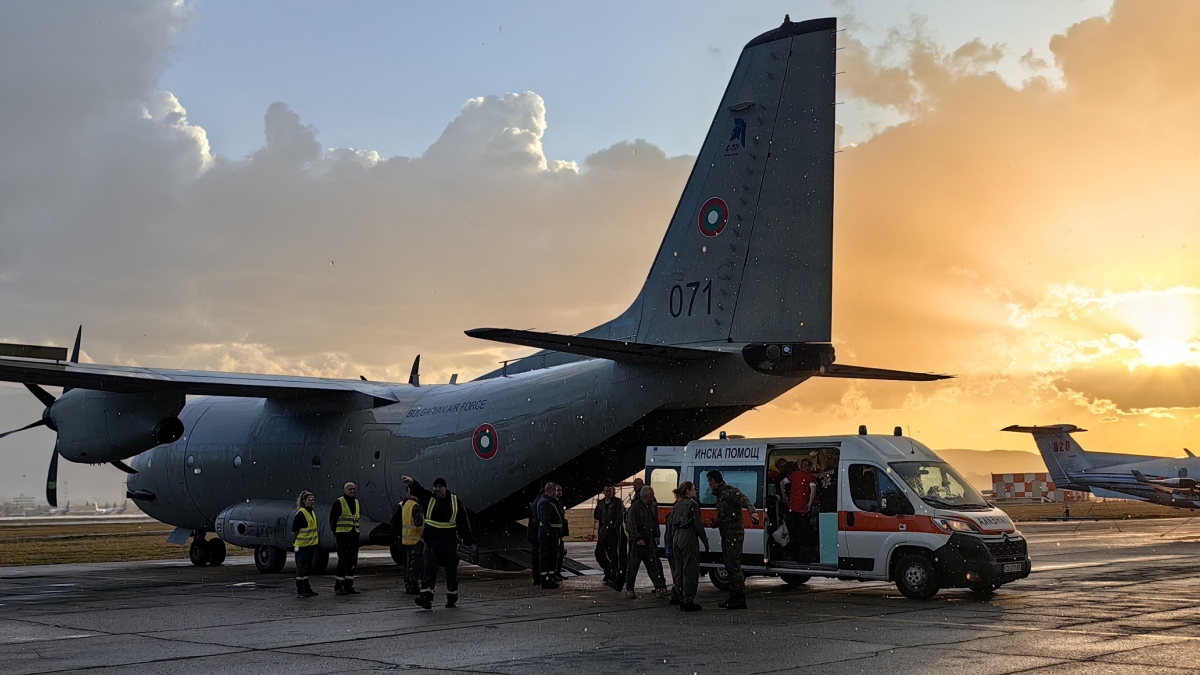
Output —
(1109, 597)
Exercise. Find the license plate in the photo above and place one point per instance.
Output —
(1014, 567)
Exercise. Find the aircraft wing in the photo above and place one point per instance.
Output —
(600, 348)
(864, 373)
(130, 379)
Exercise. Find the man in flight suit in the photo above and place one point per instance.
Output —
(343, 519)
(610, 515)
(445, 523)
(730, 502)
(532, 529)
(550, 528)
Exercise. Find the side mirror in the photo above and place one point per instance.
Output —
(891, 504)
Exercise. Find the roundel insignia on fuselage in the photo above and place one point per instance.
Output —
(714, 215)
(485, 442)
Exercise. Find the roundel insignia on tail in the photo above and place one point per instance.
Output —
(714, 215)
(486, 442)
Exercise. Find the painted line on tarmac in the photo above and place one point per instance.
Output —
(1071, 566)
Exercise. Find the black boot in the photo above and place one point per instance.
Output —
(736, 601)
(308, 589)
(424, 600)
(349, 589)
(451, 600)
(300, 589)
(338, 587)
(691, 607)
(549, 583)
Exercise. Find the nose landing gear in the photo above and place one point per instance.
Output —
(206, 551)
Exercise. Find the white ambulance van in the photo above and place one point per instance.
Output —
(886, 508)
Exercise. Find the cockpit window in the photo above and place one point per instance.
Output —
(939, 485)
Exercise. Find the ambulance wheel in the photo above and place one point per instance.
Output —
(398, 553)
(915, 577)
(198, 553)
(269, 559)
(795, 580)
(720, 578)
(216, 552)
(320, 563)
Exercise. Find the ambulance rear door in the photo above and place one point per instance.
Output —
(743, 465)
(663, 463)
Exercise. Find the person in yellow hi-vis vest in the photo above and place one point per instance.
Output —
(343, 520)
(409, 520)
(308, 542)
(445, 524)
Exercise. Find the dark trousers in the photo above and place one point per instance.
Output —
(347, 553)
(548, 556)
(414, 566)
(562, 555)
(685, 569)
(304, 561)
(646, 554)
(801, 531)
(608, 554)
(535, 559)
(441, 551)
(731, 555)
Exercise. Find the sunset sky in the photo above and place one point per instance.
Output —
(325, 189)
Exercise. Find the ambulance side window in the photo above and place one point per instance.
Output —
(746, 480)
(664, 482)
(867, 483)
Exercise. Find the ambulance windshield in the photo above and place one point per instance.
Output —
(939, 485)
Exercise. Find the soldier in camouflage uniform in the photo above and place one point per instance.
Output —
(730, 502)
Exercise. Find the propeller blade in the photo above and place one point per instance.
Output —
(39, 423)
(123, 466)
(52, 479)
(75, 350)
(42, 395)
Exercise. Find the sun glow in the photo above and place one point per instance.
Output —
(1166, 324)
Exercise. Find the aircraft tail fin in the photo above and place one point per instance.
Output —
(748, 254)
(1062, 453)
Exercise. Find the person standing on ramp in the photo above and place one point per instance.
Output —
(343, 518)
(730, 502)
(445, 524)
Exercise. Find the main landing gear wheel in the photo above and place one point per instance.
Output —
(320, 563)
(199, 552)
(915, 577)
(720, 578)
(397, 551)
(216, 552)
(269, 559)
(795, 580)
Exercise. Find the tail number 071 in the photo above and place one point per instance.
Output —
(682, 299)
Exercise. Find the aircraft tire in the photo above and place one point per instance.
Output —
(915, 577)
(198, 552)
(269, 559)
(216, 552)
(720, 578)
(320, 564)
(795, 580)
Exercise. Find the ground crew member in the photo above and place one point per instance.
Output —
(343, 520)
(609, 515)
(410, 520)
(531, 529)
(685, 530)
(730, 502)
(308, 542)
(550, 528)
(445, 524)
(641, 520)
(566, 532)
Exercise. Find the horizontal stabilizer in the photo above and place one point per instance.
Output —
(599, 348)
(1048, 429)
(863, 373)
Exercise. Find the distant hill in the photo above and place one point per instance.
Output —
(979, 465)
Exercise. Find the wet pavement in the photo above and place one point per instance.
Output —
(1108, 597)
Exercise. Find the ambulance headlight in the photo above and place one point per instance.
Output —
(954, 525)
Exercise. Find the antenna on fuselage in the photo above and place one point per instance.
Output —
(454, 378)
(414, 378)
(1189, 452)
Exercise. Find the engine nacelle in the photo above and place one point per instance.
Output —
(95, 427)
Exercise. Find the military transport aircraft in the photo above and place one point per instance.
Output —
(736, 310)
(1163, 480)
